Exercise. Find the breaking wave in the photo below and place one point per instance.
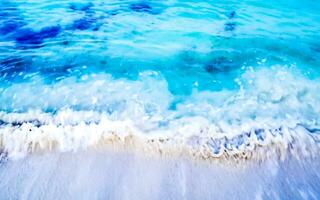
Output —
(274, 112)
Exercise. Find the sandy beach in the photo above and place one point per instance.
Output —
(109, 175)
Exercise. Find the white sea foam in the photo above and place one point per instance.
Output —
(274, 110)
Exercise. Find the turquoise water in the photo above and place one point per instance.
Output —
(224, 81)
(171, 68)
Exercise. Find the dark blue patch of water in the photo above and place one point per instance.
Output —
(88, 22)
(49, 32)
(84, 23)
(230, 26)
(141, 7)
(220, 64)
(231, 15)
(81, 6)
(28, 38)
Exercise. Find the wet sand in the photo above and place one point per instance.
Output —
(109, 175)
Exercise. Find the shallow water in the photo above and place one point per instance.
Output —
(212, 77)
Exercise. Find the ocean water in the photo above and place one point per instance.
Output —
(206, 79)
(181, 70)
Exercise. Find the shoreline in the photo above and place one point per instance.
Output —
(211, 150)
